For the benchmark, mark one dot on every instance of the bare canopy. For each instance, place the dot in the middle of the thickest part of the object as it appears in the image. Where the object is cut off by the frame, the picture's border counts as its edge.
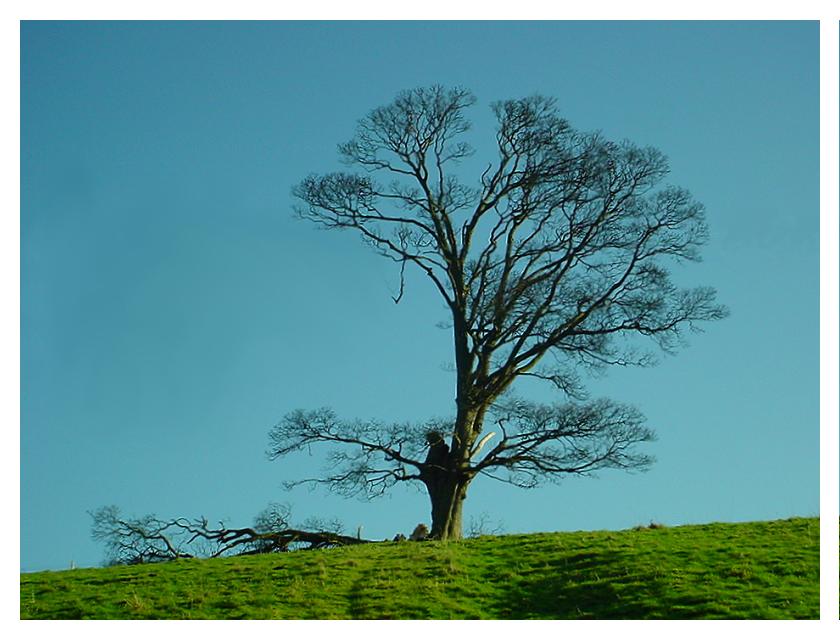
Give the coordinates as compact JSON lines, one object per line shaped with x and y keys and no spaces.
{"x":556,"y":257}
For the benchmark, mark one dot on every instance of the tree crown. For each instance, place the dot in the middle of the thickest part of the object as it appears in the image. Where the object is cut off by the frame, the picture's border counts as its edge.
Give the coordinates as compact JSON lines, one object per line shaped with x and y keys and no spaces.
{"x":564,"y":246}
{"x":561,"y":246}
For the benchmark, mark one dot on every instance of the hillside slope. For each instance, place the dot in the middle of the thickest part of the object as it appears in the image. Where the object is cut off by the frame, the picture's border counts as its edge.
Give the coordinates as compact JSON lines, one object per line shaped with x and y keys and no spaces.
{"x":744,"y":570}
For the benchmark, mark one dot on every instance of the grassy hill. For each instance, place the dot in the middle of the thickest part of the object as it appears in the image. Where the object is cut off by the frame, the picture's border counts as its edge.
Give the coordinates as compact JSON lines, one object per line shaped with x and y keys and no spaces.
{"x":745,"y":570}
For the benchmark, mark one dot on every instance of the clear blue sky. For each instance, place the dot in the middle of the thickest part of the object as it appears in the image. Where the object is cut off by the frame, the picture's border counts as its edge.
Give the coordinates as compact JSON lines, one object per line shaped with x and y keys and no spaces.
{"x":172,"y":309}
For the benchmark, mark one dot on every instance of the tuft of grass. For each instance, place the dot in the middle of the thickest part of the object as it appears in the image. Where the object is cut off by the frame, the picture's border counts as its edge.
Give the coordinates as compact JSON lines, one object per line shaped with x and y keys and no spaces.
{"x":743,"y":570}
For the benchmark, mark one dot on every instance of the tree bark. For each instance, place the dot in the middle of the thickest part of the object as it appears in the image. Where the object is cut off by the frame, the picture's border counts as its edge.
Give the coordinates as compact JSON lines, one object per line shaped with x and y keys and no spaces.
{"x":446,"y":475}
{"x":447,"y":498}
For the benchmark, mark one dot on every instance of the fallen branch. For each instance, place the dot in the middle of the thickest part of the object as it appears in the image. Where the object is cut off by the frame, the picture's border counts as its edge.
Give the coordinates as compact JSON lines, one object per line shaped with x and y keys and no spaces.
{"x":150,"y":539}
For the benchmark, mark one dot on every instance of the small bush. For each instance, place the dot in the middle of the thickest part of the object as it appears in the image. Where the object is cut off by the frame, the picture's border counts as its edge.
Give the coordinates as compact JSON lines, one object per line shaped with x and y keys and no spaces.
{"x":652,"y":525}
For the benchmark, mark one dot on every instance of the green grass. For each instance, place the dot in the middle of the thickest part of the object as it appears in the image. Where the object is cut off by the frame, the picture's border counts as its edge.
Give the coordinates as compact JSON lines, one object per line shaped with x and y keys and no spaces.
{"x":745,"y":570}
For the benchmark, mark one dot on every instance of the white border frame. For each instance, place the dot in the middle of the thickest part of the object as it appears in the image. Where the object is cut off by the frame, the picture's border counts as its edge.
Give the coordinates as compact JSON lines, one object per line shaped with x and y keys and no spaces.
{"x":829,"y":15}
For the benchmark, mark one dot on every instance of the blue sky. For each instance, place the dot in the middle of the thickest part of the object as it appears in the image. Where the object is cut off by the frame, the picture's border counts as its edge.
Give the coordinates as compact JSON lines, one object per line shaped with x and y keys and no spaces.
{"x":172,"y":309}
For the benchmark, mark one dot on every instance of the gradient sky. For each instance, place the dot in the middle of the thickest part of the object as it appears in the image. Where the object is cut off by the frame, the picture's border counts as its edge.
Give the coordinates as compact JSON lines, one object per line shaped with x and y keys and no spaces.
{"x":172,"y":309}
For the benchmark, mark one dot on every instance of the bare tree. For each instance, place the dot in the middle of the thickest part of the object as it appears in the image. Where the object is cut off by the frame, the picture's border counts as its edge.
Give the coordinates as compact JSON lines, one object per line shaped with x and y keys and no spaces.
{"x":482,"y":526}
{"x":151,"y":539}
{"x":561,"y":249}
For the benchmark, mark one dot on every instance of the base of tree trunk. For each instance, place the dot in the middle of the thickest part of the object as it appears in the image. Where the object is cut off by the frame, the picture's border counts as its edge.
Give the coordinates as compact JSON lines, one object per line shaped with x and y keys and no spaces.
{"x":447,"y":511}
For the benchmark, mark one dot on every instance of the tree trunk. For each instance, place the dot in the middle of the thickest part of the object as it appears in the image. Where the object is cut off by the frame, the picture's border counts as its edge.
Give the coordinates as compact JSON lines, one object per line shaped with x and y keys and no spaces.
{"x":445,"y":478}
{"x":447,"y":498}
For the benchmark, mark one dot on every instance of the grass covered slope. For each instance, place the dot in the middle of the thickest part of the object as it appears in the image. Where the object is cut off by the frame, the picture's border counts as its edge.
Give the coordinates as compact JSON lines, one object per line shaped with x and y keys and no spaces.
{"x":745,"y":570}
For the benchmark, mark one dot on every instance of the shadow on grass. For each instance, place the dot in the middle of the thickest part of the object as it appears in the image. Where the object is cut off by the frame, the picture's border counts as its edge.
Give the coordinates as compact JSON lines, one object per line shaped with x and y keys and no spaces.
{"x":602,"y":586}
{"x":363,"y":599}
